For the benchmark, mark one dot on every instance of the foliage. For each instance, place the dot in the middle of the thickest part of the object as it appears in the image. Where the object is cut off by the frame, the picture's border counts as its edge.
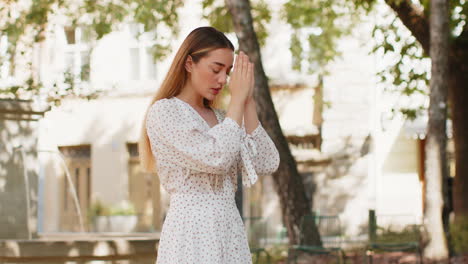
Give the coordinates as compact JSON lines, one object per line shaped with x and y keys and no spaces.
{"x":410,"y":233}
{"x":278,"y":254}
{"x":459,"y":235}
{"x":26,"y":22}
{"x":218,"y":16}
{"x":458,"y":15}
{"x":98,"y":208}
{"x":62,"y":88}
{"x":409,"y":71}
{"x":123,"y":209}
{"x":317,"y":26}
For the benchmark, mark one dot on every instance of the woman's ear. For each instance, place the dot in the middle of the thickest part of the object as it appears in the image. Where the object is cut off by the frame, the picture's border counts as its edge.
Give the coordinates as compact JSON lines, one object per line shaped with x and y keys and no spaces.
{"x":189,"y":64}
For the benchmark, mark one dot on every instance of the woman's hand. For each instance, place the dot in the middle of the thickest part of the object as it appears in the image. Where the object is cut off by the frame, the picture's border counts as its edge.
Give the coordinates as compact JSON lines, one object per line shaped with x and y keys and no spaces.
{"x":252,"y":84}
{"x":241,"y":79}
{"x":241,"y":86}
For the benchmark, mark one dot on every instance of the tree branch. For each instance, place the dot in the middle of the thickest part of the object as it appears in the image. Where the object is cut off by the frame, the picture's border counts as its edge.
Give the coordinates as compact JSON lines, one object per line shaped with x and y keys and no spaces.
{"x":414,"y":19}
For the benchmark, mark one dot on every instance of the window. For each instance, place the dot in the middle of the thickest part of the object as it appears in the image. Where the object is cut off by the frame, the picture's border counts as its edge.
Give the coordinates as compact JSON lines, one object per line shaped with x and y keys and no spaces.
{"x":78,"y":162}
{"x":135,"y":63}
{"x":78,"y":52}
{"x":77,"y":183}
{"x":150,"y":64}
{"x":142,"y":63}
{"x":88,"y":187}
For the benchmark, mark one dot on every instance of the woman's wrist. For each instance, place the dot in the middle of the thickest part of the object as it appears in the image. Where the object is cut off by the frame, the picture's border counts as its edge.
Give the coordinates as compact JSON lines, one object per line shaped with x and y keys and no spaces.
{"x":236,"y":109}
{"x":237,"y":101}
{"x":250,"y":116}
{"x":250,"y":102}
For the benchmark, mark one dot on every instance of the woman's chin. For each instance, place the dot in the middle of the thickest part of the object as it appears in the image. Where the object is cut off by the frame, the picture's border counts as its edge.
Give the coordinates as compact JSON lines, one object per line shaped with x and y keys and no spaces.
{"x":210,"y":97}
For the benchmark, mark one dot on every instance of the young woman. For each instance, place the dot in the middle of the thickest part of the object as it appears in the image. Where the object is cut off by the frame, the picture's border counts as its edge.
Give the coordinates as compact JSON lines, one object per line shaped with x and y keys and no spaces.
{"x":197,"y":150}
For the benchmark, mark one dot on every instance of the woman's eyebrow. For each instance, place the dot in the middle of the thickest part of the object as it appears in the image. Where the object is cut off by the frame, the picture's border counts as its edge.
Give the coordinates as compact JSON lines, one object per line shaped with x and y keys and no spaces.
{"x":221,"y":64}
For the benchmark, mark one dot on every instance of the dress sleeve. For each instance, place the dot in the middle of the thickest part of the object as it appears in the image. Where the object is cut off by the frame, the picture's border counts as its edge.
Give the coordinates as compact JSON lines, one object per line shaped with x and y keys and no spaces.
{"x":267,"y":158}
{"x":179,"y":140}
{"x":263,"y":157}
{"x":259,"y":154}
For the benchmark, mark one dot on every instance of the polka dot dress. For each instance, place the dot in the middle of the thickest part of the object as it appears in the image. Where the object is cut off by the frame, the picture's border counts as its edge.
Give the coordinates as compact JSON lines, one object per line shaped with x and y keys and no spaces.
{"x":198,"y":165}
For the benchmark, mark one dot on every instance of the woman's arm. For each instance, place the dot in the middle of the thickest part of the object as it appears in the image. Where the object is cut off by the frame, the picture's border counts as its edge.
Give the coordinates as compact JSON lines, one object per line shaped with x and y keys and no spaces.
{"x":266,"y":160}
{"x":240,"y":87}
{"x":250,"y":107}
{"x":175,"y":138}
{"x":250,"y":116}
{"x":264,"y":157}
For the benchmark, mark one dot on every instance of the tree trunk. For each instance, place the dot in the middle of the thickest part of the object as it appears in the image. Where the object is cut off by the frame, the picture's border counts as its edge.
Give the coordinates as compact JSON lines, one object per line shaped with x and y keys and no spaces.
{"x":436,"y":142}
{"x":458,"y":95}
{"x":288,"y":182}
{"x":416,"y":21}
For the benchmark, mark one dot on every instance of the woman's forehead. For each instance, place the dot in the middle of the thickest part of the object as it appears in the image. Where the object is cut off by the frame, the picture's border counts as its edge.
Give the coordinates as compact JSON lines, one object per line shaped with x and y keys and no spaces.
{"x":222,"y":57}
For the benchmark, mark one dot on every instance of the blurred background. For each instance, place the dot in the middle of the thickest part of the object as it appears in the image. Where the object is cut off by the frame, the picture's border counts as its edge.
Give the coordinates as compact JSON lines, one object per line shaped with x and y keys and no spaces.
{"x":343,"y":88}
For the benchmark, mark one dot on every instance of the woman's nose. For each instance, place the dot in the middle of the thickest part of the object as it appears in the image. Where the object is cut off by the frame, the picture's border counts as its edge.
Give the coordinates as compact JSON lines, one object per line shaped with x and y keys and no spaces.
{"x":223,"y":79}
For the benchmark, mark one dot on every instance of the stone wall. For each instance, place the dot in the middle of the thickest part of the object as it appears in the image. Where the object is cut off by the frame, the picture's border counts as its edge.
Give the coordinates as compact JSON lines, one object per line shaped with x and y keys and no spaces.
{"x":18,"y":168}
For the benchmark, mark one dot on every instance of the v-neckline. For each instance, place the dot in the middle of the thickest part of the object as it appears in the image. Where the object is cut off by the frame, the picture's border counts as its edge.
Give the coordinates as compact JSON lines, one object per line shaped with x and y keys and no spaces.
{"x":198,"y":114}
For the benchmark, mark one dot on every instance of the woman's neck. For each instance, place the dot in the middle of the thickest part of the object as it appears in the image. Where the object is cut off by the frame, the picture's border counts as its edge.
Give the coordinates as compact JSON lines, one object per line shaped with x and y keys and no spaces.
{"x":189,"y":95}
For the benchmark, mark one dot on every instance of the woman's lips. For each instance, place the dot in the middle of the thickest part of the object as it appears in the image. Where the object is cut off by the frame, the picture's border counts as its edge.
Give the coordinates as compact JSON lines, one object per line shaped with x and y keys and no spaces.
{"x":216,"y":90}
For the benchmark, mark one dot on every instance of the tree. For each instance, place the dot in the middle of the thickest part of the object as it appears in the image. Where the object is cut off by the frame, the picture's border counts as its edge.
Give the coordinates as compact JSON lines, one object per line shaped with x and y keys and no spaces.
{"x":410,"y":80}
{"x":435,"y":163}
{"x":288,"y":182}
{"x":415,"y":17}
{"x":402,"y":76}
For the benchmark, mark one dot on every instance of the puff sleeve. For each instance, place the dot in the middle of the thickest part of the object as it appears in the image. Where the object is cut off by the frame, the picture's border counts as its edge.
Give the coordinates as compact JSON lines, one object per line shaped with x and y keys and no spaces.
{"x":176,"y":139}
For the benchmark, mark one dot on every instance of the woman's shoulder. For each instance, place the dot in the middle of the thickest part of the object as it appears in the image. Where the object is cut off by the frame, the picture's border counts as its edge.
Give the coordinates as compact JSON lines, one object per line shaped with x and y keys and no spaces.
{"x":164,"y":105}
{"x":164,"y":102}
{"x":165,"y":109}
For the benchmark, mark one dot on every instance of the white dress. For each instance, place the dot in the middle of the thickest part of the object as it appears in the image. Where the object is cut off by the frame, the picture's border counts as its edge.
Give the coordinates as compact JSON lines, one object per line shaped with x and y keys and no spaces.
{"x":198,"y":165}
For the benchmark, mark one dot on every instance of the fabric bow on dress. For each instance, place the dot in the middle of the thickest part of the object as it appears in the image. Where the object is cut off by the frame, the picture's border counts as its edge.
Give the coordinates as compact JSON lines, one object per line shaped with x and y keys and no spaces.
{"x":248,"y":153}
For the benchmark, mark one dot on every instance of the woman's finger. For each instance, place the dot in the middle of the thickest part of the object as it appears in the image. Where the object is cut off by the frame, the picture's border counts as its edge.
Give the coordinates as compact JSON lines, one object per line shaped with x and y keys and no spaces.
{"x":249,"y":72}
{"x":236,"y":65}
{"x":252,"y":77}
{"x":245,"y":64}
{"x":242,"y":64}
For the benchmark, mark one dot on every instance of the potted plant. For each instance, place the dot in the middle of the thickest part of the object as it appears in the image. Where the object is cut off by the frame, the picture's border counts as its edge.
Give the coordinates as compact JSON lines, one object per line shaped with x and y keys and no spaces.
{"x":119,"y":218}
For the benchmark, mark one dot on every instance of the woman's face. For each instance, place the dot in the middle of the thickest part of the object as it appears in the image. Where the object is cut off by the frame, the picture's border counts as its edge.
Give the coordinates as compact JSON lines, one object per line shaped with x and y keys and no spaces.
{"x":209,"y":75}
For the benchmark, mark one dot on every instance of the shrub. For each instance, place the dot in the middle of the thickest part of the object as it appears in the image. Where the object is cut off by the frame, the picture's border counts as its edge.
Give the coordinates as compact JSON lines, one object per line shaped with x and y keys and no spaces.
{"x":410,"y":233}
{"x":459,"y":234}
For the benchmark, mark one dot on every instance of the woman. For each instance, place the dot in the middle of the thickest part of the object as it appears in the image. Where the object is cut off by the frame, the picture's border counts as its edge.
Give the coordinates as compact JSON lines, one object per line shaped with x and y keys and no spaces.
{"x":197,"y":150}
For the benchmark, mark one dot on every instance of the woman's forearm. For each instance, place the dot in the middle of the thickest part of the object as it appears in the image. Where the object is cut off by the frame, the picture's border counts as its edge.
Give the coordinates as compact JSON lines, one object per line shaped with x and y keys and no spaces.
{"x":236,"y":110}
{"x":250,"y":116}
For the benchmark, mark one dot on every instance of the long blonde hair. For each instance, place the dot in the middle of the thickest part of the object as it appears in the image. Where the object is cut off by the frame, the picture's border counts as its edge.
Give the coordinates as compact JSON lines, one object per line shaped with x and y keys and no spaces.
{"x":197,"y":44}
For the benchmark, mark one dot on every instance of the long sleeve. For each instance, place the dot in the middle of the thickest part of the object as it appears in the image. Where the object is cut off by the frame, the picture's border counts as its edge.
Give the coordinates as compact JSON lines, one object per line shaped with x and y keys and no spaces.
{"x":263,"y":157}
{"x":258,"y":155}
{"x":176,"y":139}
{"x":267,"y":159}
